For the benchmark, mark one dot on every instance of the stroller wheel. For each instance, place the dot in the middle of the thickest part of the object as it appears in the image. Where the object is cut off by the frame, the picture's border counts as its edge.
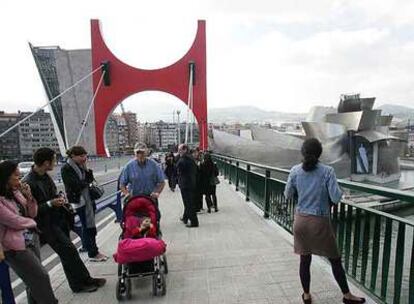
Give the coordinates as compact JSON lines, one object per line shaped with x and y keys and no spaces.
{"x":128,"y":288}
{"x":120,"y":289}
{"x":164,"y":263}
{"x":123,"y":289}
{"x":163,"y":285}
{"x":159,"y":285}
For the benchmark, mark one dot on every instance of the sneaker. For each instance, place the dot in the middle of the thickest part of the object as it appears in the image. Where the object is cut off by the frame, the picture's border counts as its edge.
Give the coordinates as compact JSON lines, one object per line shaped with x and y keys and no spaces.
{"x":86,"y":288}
{"x":99,"y":258}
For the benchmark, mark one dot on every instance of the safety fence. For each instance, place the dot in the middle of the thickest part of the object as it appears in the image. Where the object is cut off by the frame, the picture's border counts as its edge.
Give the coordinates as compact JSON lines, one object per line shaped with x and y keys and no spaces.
{"x":377,"y":248}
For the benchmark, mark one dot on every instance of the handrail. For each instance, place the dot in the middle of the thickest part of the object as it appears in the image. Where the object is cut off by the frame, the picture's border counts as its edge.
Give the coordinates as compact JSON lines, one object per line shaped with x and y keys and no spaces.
{"x":376,"y":247}
{"x":373,"y":189}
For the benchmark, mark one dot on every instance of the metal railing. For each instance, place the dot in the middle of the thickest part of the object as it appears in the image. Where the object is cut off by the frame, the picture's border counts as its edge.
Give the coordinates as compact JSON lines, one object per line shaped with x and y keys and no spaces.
{"x":377,"y":248}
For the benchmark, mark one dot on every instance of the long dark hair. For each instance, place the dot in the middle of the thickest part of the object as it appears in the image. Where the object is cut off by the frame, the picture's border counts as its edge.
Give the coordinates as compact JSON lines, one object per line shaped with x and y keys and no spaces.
{"x":7,"y":168}
{"x":311,"y":151}
{"x":208,"y":163}
{"x":76,"y":151}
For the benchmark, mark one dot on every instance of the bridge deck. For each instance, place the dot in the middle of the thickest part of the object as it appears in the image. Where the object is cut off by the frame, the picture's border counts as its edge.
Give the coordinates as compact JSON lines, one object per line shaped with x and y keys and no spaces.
{"x":235,"y":256}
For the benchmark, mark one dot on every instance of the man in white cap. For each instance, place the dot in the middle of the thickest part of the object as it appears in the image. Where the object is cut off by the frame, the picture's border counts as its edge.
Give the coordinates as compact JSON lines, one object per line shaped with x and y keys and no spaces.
{"x":142,"y":176}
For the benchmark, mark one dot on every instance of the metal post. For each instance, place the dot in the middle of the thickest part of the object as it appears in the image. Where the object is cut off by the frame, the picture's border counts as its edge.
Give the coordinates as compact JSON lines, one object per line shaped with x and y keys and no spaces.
{"x":230,"y":165}
{"x":375,"y":159}
{"x":247,"y":183}
{"x":352,"y":151}
{"x":237,"y":176}
{"x":178,"y":127}
{"x":267,"y":195}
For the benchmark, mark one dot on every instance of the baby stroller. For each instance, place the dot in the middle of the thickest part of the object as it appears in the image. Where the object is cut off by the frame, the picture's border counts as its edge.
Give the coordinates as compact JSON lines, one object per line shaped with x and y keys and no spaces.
{"x":140,"y":256}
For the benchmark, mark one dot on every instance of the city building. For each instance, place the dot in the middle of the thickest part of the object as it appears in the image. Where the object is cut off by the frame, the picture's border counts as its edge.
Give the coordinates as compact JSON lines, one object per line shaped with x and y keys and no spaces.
{"x":112,"y":135}
{"x":9,"y":144}
{"x":36,"y":132}
{"x":127,"y":130}
{"x":132,"y":127}
{"x":59,"y":70}
{"x":165,"y":135}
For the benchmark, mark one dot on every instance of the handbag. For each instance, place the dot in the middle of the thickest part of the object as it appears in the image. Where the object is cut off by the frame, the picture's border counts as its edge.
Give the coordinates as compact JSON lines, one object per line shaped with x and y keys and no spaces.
{"x":96,"y":191}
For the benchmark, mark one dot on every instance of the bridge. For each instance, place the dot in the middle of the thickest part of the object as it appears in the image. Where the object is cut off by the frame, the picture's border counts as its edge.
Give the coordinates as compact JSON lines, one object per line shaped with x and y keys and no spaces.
{"x":244,"y":253}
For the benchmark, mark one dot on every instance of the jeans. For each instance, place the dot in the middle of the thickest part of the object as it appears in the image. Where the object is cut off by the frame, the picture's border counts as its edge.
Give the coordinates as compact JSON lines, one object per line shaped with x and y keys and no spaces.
{"x":88,"y":234}
{"x":7,"y":296}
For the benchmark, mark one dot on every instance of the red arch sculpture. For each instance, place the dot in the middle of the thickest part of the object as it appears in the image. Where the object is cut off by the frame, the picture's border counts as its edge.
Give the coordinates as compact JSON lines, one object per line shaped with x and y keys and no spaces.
{"x":126,"y":81}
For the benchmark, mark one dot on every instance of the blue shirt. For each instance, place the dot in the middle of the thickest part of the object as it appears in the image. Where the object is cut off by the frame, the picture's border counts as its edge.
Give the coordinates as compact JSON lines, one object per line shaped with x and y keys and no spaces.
{"x":315,"y":189}
{"x":141,"y":179}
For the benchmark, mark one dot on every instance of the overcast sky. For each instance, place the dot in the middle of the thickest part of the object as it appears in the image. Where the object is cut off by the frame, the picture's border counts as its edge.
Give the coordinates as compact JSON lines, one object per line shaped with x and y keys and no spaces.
{"x":277,"y":55}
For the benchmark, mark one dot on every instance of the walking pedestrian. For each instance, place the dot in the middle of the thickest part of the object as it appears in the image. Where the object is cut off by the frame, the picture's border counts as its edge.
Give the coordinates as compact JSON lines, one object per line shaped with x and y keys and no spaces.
{"x":77,"y":178}
{"x":209,"y":181}
{"x":55,"y":220}
{"x":171,"y":171}
{"x":187,"y":171}
{"x":316,"y":188}
{"x":142,"y":176}
{"x":18,"y":235}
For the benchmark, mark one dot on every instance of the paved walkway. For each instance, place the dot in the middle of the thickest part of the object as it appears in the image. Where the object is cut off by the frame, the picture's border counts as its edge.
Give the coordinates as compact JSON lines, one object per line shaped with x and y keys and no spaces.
{"x":235,"y":256}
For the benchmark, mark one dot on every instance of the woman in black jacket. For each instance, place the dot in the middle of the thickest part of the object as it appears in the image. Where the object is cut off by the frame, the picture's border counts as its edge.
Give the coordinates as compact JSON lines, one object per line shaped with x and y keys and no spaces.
{"x":77,"y":179}
{"x":209,"y":180}
{"x":171,"y":171}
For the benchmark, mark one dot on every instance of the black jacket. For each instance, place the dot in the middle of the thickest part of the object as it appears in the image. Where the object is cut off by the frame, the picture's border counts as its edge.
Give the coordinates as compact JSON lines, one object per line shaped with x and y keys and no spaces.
{"x":73,"y":184}
{"x":44,"y":189}
{"x":207,"y":173}
{"x":187,"y":172}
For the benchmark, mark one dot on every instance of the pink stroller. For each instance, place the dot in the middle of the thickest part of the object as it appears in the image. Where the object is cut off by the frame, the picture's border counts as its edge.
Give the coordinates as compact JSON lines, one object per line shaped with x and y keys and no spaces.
{"x":140,"y":255}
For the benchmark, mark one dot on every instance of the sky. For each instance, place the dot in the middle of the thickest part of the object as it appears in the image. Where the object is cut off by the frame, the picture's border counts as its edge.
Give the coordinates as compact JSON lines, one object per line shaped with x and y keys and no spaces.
{"x":277,"y":55}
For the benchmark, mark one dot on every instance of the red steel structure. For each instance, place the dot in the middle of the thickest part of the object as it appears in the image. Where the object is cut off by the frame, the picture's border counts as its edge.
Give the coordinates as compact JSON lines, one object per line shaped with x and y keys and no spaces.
{"x":126,"y":80}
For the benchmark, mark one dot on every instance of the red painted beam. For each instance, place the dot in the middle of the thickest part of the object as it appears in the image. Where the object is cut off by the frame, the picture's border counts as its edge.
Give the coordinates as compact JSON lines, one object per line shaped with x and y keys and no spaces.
{"x":127,"y":80}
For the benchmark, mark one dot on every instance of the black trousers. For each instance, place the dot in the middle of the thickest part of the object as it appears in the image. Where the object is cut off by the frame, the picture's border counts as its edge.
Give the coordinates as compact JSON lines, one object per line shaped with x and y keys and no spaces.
{"x":211,"y":198}
{"x":198,"y":199}
{"x":172,"y":181}
{"x":337,"y":270}
{"x":190,"y":212}
{"x":75,"y":270}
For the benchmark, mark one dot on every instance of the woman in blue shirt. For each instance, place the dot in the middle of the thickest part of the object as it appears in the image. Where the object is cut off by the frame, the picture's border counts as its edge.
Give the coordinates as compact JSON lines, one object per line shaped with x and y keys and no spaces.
{"x":316,"y":188}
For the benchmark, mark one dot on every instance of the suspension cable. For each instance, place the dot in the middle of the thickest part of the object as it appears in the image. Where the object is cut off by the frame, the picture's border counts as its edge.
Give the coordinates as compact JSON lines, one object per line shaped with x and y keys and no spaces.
{"x":84,"y":122}
{"x":48,"y":103}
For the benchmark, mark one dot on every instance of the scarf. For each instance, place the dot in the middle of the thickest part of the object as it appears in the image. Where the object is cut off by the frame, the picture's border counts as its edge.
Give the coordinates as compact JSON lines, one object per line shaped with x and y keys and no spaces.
{"x":85,"y":198}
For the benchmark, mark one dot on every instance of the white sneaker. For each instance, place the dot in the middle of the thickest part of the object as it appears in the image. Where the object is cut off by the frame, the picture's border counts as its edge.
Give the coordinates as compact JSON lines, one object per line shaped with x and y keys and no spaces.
{"x":99,"y":258}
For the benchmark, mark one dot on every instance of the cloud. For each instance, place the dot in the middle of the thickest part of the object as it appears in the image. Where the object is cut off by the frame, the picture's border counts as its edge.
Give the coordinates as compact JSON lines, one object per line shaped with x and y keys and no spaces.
{"x":278,"y":55}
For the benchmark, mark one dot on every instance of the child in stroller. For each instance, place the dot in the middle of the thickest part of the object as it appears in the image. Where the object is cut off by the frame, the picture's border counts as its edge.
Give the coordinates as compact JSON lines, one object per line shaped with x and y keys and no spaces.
{"x":140,"y":249}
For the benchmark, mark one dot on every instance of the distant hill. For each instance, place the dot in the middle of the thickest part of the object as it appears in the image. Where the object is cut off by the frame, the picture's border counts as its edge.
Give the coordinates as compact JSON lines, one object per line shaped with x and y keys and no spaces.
{"x":399,"y":112}
{"x":250,"y":114}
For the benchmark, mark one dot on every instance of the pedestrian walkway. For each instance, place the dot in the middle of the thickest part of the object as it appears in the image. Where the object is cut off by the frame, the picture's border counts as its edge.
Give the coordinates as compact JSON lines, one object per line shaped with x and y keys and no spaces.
{"x":235,"y":256}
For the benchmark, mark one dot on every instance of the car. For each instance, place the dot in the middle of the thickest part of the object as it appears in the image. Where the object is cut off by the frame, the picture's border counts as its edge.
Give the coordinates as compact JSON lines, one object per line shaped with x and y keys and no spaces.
{"x":25,"y":167}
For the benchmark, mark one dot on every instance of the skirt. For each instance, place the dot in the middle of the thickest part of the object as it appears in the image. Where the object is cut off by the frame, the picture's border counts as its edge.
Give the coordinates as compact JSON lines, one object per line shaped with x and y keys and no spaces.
{"x":314,"y":235}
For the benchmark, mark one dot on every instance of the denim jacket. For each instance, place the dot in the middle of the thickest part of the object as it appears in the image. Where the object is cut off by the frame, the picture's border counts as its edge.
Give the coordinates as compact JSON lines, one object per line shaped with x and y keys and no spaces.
{"x":315,"y":189}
